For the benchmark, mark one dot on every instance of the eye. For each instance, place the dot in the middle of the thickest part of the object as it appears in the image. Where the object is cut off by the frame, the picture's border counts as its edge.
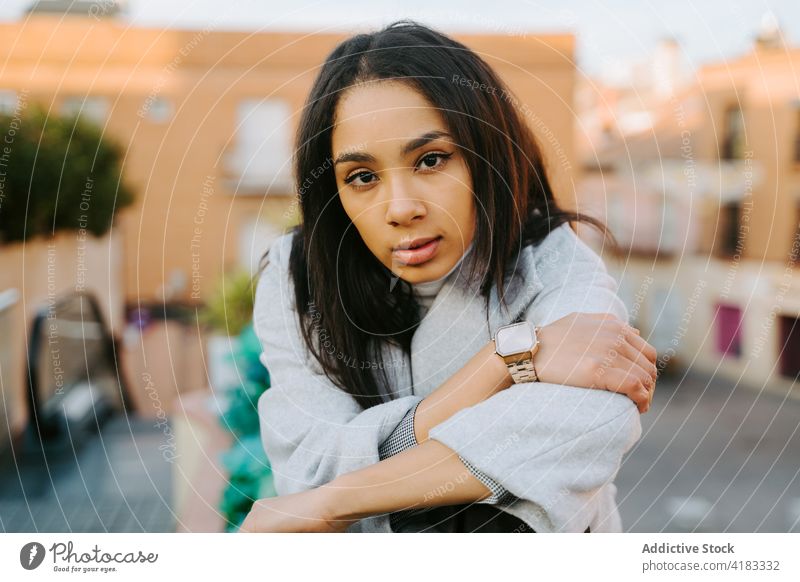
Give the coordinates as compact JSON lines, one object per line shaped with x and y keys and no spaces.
{"x":434,"y":160}
{"x":363,"y":179}
{"x":350,"y":180}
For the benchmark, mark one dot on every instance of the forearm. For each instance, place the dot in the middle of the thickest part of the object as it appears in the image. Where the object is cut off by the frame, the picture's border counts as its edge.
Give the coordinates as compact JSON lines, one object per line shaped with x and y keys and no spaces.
{"x":484,"y":375}
{"x":427,"y":475}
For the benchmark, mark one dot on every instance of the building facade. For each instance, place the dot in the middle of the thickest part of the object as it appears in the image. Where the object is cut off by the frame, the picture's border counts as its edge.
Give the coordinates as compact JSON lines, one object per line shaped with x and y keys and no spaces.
{"x":704,"y":198}
{"x":207,"y":118}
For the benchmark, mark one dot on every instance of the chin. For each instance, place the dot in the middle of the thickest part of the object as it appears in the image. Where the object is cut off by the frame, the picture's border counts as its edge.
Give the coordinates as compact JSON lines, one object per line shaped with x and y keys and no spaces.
{"x":430,"y":271}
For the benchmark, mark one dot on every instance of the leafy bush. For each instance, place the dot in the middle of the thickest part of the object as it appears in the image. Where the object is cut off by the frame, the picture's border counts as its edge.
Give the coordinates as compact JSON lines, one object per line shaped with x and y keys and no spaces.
{"x":60,"y":173}
{"x":230,"y":307}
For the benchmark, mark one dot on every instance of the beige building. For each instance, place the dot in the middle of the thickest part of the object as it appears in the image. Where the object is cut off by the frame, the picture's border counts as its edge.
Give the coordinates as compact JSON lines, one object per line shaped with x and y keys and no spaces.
{"x":207,"y":118}
{"x":701,"y":186}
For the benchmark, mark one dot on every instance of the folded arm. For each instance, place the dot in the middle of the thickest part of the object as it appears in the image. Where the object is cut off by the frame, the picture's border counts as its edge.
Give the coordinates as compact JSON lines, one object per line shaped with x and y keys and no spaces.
{"x":551,"y":444}
{"x":312,"y":431}
{"x":425,"y":476}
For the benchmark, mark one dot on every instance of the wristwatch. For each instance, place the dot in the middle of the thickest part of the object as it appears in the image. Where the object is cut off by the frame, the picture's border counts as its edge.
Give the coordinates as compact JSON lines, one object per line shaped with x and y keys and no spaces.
{"x":517,"y":344}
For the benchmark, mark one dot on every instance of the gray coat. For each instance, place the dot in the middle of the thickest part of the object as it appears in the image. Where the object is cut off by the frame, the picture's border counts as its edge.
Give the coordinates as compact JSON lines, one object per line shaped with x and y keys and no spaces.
{"x":557,"y":448}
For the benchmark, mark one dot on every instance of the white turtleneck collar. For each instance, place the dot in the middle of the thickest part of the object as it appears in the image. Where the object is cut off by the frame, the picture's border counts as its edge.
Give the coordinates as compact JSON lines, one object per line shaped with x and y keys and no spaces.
{"x":426,"y":292}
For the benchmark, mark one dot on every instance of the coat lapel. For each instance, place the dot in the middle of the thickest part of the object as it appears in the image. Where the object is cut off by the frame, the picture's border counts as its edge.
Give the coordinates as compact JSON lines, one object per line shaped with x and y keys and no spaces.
{"x":455,"y":327}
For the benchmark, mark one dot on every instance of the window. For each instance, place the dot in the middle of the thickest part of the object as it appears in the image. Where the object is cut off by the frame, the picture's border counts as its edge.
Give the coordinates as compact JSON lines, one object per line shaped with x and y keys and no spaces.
{"x":8,"y":102}
{"x":664,"y":308}
{"x":730,"y":234}
{"x":262,"y":156}
{"x":729,"y":330}
{"x":92,"y":108}
{"x":789,"y":349}
{"x":668,"y":237}
{"x":159,"y":110}
{"x":616,"y":214}
{"x":734,"y":141}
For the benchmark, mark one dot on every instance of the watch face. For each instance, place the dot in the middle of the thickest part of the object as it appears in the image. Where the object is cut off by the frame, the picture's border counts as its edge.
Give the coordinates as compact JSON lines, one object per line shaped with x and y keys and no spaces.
{"x":514,"y":339}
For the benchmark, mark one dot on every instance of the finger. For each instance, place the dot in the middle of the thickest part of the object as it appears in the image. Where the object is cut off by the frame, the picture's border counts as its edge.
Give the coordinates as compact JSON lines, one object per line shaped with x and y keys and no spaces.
{"x":630,"y":350}
{"x":632,"y":369}
{"x":640,"y":344}
{"x":617,"y":379}
{"x":622,"y":342}
{"x":643,"y":374}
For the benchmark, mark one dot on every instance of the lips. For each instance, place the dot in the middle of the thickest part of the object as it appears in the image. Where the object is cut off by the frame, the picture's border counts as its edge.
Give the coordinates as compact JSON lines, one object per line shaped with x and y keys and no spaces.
{"x":415,"y":243}
{"x":417,"y":251}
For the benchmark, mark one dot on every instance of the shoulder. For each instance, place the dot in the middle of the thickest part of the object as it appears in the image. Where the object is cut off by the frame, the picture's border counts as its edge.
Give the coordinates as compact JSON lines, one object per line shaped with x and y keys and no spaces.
{"x":280,"y":249}
{"x":562,"y":250}
{"x":572,"y":278}
{"x":274,"y":290}
{"x":275,"y":270}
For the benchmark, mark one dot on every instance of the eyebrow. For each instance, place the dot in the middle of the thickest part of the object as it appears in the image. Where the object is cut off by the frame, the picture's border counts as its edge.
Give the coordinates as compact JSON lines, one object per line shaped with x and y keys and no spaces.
{"x":414,"y":144}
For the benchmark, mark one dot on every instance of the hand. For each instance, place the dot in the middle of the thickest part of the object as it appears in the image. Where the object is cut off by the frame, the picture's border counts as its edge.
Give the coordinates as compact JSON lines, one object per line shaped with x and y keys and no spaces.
{"x":597,"y":350}
{"x":307,"y":511}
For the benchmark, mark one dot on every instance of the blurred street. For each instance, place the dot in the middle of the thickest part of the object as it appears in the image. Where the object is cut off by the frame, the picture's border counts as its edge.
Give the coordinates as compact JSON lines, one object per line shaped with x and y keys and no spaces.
{"x":713,"y":457}
{"x":117,"y":482}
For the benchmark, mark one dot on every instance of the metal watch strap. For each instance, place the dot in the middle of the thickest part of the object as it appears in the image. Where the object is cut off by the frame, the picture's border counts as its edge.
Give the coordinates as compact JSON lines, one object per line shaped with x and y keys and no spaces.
{"x":523,"y":371}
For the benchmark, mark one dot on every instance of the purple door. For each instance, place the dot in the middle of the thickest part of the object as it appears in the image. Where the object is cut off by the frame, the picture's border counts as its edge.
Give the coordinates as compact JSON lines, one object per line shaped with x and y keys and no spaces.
{"x":729,"y":330}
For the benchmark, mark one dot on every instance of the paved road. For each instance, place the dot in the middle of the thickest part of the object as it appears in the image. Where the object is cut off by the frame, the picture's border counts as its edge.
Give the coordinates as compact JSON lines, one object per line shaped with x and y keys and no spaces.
{"x":713,"y":457}
{"x":116,"y":481}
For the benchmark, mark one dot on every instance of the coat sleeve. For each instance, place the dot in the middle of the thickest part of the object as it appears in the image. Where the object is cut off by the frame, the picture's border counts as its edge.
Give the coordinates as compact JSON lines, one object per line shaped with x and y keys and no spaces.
{"x":404,"y":438}
{"x":551,"y":445}
{"x":312,"y":431}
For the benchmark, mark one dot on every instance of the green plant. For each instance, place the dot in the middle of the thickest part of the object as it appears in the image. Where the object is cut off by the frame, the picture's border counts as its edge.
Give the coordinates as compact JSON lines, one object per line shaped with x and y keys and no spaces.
{"x":230,"y":307}
{"x":60,"y":173}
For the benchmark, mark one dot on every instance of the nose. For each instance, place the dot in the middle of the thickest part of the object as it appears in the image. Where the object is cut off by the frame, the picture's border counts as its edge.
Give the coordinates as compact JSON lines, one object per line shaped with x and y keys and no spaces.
{"x":402,"y":207}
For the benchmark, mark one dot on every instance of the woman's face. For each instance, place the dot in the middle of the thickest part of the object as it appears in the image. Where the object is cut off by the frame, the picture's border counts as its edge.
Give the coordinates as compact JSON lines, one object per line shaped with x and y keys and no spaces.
{"x":401,"y":179}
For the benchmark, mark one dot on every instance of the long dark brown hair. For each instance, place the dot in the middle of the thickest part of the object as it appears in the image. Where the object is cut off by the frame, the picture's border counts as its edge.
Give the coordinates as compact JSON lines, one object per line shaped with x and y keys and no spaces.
{"x":342,"y":291}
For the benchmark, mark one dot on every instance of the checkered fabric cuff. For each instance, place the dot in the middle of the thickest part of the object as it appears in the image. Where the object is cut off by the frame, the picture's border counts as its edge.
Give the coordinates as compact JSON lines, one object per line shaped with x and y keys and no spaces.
{"x":403,"y":437}
{"x":499,"y":494}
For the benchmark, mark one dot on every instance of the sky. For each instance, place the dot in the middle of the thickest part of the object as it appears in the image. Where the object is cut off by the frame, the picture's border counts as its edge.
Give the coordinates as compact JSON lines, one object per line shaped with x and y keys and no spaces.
{"x":609,"y":32}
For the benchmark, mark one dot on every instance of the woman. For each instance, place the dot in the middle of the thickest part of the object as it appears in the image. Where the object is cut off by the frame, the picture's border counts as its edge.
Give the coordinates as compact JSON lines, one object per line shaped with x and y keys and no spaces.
{"x":429,"y":225}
